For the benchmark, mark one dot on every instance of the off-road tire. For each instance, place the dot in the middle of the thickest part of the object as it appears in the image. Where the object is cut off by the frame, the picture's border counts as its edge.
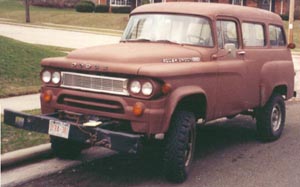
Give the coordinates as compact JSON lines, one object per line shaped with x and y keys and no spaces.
{"x":179,"y":146}
{"x":270,"y":119}
{"x":65,"y":149}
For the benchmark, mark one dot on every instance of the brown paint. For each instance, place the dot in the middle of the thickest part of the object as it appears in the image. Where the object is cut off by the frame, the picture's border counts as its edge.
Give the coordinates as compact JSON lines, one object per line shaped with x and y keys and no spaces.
{"x":227,"y":85}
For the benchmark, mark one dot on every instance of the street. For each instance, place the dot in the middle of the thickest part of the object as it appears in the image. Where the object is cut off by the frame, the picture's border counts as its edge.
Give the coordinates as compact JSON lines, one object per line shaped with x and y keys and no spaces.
{"x":227,"y":155}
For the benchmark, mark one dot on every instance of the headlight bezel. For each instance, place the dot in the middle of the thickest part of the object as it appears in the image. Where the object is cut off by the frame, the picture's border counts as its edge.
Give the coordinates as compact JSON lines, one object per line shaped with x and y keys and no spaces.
{"x":54,"y":77}
{"x":155,"y":88}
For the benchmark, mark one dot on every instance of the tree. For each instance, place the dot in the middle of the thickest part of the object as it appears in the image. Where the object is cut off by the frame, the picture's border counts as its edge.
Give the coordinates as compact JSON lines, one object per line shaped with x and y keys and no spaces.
{"x":27,"y":13}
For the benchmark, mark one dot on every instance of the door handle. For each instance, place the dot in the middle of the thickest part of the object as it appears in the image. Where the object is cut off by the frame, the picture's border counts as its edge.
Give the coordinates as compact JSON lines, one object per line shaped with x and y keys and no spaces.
{"x":241,"y":53}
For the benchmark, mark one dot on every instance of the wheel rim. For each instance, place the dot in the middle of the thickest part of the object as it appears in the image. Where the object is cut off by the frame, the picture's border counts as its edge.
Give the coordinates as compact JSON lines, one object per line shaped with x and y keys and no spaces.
{"x":190,"y":148}
{"x":276,"y":118}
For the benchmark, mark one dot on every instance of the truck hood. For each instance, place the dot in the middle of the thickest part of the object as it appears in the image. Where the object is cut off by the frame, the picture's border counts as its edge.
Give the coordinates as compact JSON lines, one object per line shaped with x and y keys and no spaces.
{"x":126,"y":58}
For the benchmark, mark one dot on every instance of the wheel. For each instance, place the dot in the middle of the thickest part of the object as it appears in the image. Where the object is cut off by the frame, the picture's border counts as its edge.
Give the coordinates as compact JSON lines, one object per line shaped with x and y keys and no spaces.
{"x":66,"y":149}
{"x":180,"y":146}
{"x":271,"y":118}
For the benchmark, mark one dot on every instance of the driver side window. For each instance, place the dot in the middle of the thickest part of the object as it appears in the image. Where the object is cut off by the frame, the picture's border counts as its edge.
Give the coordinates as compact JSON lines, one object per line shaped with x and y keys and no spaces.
{"x":227,"y":33}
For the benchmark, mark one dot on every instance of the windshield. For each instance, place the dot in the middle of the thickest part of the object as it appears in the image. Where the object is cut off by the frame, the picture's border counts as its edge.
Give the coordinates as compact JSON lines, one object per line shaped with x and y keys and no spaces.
{"x":179,"y":29}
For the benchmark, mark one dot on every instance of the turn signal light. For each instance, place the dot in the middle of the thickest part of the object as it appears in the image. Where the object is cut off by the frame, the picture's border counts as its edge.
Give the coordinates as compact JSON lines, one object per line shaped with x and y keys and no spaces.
{"x":47,"y":96}
{"x":166,"y":88}
{"x":138,"y":109}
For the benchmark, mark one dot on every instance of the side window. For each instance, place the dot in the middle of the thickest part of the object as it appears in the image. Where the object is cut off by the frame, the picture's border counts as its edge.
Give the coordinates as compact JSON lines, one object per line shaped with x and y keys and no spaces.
{"x":276,"y":36}
{"x":227,"y":33}
{"x":253,"y":35}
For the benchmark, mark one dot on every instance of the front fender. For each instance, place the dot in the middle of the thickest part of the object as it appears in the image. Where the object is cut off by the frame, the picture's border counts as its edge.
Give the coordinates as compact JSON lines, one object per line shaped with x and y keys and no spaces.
{"x":174,"y":98}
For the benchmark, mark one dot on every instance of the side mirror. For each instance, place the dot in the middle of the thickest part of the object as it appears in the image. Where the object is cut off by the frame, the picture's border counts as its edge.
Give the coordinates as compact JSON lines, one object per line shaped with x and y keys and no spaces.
{"x":291,"y":46}
{"x":230,"y":48}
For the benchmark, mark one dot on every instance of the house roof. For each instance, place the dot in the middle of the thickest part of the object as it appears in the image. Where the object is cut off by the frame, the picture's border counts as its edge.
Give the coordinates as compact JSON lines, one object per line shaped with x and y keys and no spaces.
{"x":209,"y":10}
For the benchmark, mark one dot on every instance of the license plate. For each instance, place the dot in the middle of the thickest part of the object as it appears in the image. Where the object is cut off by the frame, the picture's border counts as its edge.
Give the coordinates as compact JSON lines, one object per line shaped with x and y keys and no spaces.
{"x":58,"y":128}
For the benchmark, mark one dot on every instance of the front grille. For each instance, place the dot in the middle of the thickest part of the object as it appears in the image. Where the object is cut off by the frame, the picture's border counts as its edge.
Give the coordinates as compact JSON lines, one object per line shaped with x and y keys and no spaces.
{"x":91,"y":103}
{"x":95,"y":83}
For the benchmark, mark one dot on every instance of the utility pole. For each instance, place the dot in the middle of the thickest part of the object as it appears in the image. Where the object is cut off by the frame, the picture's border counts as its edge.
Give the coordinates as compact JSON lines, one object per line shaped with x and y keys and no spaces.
{"x":291,"y":21}
{"x":27,"y":14}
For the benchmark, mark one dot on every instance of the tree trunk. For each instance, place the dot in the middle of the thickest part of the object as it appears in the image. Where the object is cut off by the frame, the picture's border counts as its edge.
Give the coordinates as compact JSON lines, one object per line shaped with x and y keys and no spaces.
{"x":27,"y":14}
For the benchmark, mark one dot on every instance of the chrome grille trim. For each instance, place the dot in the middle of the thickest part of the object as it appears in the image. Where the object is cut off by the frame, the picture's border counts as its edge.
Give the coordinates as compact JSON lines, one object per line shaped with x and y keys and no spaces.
{"x":94,"y":83}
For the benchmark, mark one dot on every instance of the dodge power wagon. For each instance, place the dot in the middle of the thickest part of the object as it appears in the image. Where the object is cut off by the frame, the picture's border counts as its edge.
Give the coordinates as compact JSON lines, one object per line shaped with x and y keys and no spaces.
{"x":176,"y":64}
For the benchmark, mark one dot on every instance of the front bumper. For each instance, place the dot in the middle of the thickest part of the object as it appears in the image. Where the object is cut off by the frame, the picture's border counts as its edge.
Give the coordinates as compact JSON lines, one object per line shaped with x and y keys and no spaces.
{"x":118,"y":141}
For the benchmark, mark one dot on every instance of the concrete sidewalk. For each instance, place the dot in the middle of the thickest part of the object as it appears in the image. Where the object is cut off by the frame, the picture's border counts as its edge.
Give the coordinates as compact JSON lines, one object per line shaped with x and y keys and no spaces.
{"x":55,"y":37}
{"x":21,"y":103}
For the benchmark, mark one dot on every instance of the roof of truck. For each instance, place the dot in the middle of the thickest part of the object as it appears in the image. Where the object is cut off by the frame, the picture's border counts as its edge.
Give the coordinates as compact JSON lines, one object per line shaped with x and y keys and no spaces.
{"x":210,"y":10}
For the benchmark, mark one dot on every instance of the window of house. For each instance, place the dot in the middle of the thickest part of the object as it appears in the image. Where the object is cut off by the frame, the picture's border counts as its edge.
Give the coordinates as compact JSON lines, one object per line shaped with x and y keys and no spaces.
{"x":120,"y":2}
{"x":227,"y":33}
{"x":253,"y":35}
{"x":276,"y":36}
{"x":237,"y":2}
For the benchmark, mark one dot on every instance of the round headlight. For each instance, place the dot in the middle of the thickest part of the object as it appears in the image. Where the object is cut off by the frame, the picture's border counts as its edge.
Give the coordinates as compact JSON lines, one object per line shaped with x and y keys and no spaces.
{"x":135,"y":87}
{"x":56,"y":77}
{"x":46,"y":76}
{"x":147,"y":88}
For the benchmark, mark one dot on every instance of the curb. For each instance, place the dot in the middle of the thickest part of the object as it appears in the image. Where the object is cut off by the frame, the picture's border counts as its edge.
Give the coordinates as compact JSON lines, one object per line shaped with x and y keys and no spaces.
{"x":24,"y":174}
{"x":15,"y":157}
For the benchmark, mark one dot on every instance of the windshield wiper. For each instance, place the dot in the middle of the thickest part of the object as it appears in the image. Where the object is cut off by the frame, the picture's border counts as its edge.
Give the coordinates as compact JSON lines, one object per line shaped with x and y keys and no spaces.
{"x":167,"y":41}
{"x":137,"y":40}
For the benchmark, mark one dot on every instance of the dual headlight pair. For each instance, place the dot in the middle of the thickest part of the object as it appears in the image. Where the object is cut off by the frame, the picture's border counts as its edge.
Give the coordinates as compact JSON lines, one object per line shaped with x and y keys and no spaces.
{"x":136,"y":87}
{"x":53,"y":77}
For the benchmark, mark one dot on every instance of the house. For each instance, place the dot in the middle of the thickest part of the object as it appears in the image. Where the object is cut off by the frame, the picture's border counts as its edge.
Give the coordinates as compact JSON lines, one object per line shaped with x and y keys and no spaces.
{"x":278,"y":6}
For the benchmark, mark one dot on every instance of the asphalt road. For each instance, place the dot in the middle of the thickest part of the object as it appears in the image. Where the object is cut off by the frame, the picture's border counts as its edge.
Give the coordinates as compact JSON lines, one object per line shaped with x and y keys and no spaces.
{"x":227,"y":155}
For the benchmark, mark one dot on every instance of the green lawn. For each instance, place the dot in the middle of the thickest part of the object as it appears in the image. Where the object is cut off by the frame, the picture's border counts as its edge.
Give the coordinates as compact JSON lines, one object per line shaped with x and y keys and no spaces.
{"x":20,"y":68}
{"x":14,"y":10}
{"x":13,"y":138}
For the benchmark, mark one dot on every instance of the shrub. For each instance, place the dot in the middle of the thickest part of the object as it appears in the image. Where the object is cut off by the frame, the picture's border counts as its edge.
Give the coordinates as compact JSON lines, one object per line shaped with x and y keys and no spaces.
{"x":284,"y":17}
{"x":101,"y":8}
{"x":122,"y":10}
{"x":89,"y":2}
{"x":85,"y":6}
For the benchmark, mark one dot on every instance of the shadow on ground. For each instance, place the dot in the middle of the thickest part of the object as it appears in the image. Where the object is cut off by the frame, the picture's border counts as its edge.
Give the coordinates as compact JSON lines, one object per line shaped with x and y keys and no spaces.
{"x":136,"y":170}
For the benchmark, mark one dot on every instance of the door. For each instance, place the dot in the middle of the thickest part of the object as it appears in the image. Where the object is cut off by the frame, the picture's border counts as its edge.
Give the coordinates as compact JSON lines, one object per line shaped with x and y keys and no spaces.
{"x":232,"y":69}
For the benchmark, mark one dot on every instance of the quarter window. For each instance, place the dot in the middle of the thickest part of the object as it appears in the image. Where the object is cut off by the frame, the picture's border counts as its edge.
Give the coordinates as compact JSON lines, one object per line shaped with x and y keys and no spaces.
{"x":276,"y":36}
{"x":227,"y":33}
{"x":253,"y":35}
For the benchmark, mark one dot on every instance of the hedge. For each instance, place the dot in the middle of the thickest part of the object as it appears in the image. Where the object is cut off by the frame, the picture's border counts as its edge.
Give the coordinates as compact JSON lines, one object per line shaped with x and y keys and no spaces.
{"x":123,"y":10}
{"x":101,"y":8}
{"x":85,"y":6}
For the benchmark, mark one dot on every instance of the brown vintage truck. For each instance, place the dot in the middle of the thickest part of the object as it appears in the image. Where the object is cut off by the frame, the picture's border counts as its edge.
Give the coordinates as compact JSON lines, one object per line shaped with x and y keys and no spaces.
{"x":176,"y":63}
